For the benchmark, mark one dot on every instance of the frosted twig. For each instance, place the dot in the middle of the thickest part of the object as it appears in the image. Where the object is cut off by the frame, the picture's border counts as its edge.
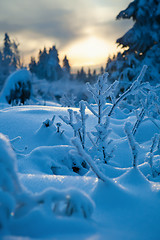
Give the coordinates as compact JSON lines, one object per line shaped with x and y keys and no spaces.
{"x":91,"y":109}
{"x":15,"y":139}
{"x":154,"y":145}
{"x":135,"y":85}
{"x":139,"y":120}
{"x":88,"y":159}
{"x":69,"y":121}
{"x":132,"y":142}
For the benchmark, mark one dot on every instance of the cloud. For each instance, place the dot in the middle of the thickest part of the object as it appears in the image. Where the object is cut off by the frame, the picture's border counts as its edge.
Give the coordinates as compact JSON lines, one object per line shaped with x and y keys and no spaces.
{"x":39,"y":22}
{"x":58,"y":20}
{"x":58,"y":24}
{"x":44,"y":20}
{"x":113,"y":29}
{"x":112,"y":3}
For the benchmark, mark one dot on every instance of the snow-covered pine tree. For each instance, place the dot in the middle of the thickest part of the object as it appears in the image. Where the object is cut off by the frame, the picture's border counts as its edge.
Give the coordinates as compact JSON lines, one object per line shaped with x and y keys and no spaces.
{"x":48,"y":66}
{"x":144,"y":34}
{"x":81,"y":75}
{"x":54,"y":71}
{"x":141,"y":44}
{"x":101,"y":70}
{"x":42,"y":64}
{"x":7,"y":53}
{"x":33,"y":65}
{"x":16,"y":62}
{"x":66,"y":65}
{"x":89,"y":75}
{"x":9,"y":58}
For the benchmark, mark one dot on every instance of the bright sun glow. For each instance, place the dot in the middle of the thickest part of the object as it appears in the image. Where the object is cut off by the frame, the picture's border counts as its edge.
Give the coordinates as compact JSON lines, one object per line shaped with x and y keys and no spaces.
{"x":90,"y":51}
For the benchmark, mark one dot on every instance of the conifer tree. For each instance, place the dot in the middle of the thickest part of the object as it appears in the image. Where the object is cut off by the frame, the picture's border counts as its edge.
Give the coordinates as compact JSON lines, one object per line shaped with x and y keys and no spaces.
{"x":145,"y":32}
{"x":82,"y":75}
{"x":42,"y":63}
{"x":141,"y":44}
{"x":101,"y":70}
{"x":9,"y":58}
{"x":48,"y":66}
{"x":33,"y":65}
{"x":7,"y":51}
{"x":89,"y":76}
{"x":66,"y":65}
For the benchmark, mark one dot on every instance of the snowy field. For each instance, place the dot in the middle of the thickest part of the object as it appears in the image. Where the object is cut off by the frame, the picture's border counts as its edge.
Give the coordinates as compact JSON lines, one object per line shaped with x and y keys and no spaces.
{"x":126,"y":206}
{"x":90,"y":173}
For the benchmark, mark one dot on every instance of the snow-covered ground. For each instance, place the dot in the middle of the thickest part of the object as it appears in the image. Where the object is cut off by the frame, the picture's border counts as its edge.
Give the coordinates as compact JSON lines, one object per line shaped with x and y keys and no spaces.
{"x":126,"y":206}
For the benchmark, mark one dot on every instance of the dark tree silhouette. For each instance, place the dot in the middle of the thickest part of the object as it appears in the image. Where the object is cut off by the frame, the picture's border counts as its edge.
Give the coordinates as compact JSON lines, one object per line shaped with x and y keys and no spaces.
{"x":9,"y":58}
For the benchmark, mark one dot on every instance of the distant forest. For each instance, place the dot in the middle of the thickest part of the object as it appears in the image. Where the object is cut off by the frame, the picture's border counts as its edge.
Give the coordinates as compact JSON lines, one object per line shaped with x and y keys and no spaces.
{"x":46,"y":66}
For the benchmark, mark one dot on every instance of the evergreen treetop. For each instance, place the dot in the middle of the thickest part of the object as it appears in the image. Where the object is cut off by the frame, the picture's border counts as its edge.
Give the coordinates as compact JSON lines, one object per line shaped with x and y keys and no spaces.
{"x":66,"y":64}
{"x":145,"y":31}
{"x":140,"y":45}
{"x":9,"y":58}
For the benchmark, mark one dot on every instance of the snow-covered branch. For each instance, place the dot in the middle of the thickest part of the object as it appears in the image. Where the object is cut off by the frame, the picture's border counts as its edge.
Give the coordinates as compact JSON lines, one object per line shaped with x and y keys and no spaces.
{"x":150,"y":154}
{"x":101,"y":90}
{"x":132,"y":143}
{"x":90,"y":162}
{"x":134,"y":87}
{"x":69,"y":121}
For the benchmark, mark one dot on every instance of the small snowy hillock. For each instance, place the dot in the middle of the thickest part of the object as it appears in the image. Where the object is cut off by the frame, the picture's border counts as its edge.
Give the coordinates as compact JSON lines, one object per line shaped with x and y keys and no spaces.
{"x":20,"y":207}
{"x":57,"y":160}
{"x":17,"y":88}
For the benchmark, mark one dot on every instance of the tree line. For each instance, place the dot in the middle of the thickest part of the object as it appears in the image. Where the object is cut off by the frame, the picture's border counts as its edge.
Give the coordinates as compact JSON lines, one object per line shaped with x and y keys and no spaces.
{"x":47,"y":66}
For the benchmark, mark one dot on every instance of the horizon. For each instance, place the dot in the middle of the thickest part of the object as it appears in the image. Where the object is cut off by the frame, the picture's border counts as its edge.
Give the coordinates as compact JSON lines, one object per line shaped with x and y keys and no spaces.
{"x":85,"y":32}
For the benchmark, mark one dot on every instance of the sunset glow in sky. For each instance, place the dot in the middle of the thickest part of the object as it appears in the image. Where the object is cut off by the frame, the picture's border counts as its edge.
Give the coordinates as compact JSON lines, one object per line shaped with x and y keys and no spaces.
{"x":84,"y":30}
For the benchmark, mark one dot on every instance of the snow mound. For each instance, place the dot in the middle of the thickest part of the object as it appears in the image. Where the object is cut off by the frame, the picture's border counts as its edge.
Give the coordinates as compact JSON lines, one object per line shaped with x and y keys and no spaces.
{"x":8,"y":177}
{"x":20,"y":207}
{"x":135,"y":178}
{"x":58,"y":160}
{"x":17,"y":88}
{"x":48,"y":136}
{"x":8,"y":181}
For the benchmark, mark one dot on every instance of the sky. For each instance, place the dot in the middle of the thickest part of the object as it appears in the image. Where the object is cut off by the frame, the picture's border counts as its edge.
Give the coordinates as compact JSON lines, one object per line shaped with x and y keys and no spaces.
{"x":84,"y":30}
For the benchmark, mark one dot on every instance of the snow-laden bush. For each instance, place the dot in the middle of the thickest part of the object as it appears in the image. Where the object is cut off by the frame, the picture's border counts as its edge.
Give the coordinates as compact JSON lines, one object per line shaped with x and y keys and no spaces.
{"x":17,"y":88}
{"x":77,"y":120}
{"x":101,"y":90}
{"x":100,"y":141}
